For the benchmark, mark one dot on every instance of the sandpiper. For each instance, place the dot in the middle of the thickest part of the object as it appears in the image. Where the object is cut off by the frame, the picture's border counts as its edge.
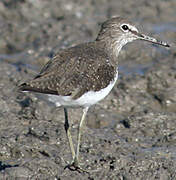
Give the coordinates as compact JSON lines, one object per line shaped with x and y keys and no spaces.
{"x":81,"y":76}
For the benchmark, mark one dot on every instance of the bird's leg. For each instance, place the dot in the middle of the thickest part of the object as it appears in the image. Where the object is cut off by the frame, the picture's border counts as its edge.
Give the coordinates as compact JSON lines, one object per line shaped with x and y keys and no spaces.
{"x":67,"y":130}
{"x":74,"y":166}
{"x":76,"y":159}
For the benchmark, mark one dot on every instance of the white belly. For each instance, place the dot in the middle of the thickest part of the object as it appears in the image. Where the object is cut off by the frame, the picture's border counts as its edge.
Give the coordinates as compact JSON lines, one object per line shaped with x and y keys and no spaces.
{"x":86,"y":100}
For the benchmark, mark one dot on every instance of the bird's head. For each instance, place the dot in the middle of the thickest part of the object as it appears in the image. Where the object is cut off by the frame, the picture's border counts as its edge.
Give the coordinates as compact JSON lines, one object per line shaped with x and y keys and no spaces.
{"x":117,"y":32}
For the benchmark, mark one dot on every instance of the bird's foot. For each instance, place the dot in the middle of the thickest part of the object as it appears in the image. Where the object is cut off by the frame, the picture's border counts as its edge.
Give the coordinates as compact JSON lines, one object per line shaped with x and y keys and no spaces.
{"x":74,"y":166}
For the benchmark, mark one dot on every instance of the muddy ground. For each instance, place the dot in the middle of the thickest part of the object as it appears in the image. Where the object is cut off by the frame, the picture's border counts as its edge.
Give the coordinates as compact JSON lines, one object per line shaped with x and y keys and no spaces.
{"x":129,"y":135}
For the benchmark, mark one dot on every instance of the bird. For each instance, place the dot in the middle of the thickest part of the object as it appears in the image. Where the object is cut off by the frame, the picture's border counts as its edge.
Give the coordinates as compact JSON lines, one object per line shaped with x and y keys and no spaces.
{"x":82,"y":75}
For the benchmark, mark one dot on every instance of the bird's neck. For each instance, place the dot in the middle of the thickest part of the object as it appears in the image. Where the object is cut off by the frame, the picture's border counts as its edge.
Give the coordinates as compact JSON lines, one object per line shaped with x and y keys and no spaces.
{"x":112,"y":47}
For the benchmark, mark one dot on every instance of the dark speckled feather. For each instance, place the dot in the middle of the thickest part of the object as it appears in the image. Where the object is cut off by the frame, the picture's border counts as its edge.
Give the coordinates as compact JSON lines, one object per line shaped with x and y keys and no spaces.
{"x":74,"y":71}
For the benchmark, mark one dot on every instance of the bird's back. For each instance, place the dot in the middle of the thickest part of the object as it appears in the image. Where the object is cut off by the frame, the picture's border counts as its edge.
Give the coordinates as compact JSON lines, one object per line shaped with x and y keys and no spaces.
{"x":74,"y":71}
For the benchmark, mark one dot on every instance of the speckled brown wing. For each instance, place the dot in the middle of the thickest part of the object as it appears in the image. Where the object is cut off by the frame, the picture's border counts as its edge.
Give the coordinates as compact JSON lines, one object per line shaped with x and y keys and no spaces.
{"x":73,"y":72}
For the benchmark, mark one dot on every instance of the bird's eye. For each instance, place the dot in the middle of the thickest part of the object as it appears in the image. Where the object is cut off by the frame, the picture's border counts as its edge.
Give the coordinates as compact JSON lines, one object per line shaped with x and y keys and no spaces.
{"x":125,"y":27}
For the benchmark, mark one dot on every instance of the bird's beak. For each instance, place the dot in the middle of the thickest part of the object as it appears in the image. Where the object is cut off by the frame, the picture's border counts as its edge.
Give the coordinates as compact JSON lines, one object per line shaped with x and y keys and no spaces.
{"x":150,"y":39}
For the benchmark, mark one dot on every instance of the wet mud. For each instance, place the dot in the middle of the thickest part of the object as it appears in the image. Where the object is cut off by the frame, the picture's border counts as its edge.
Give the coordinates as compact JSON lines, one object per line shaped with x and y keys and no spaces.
{"x":129,"y":135}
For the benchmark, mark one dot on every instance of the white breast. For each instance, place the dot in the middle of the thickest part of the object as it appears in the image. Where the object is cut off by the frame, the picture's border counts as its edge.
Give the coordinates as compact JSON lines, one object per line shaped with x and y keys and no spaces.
{"x":86,"y":100}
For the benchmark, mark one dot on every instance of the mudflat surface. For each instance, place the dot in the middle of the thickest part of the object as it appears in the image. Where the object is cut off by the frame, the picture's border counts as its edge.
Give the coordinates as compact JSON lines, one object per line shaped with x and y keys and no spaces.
{"x":129,"y":135}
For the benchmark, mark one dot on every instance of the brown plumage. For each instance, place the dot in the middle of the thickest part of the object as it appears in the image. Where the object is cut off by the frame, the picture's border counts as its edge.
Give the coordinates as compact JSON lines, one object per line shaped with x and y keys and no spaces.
{"x":74,"y":71}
